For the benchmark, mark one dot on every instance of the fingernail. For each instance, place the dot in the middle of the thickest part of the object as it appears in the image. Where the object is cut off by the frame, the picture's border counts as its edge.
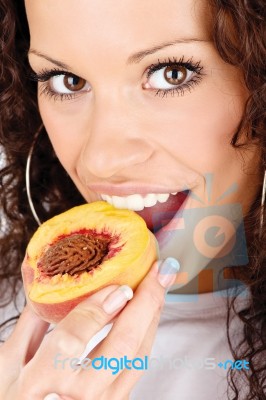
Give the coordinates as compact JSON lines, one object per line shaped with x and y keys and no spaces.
{"x":52,"y":396}
{"x":117,"y":299}
{"x":167,"y":272}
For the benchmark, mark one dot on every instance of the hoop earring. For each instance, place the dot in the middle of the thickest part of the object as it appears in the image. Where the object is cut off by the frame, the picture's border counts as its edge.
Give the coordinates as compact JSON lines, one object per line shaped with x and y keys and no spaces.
{"x":262,"y":203}
{"x":27,"y":175}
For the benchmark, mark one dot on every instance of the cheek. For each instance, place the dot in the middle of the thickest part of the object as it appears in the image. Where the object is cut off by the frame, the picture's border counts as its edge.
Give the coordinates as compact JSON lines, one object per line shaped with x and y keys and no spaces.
{"x":214,"y":123}
{"x":64,"y":128}
{"x":198,"y":128}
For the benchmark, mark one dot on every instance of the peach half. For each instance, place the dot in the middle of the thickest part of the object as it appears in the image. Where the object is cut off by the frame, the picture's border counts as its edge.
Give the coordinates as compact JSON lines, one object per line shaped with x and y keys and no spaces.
{"x":82,"y":250}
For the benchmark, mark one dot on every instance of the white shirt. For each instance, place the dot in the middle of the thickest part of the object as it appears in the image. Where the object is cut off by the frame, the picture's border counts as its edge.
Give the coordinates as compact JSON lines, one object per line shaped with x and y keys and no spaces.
{"x":190,"y":343}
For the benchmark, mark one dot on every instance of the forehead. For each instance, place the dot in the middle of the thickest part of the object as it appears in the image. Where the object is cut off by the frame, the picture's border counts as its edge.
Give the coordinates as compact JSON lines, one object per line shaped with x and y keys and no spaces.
{"x":113,"y":25}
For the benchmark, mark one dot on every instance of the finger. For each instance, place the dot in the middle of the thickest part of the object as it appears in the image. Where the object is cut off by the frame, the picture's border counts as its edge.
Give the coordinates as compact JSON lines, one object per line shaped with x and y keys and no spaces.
{"x":22,"y":344}
{"x":129,"y":330}
{"x":73,"y":333}
{"x":66,"y":342}
{"x":26,"y":337}
{"x":125,"y":382}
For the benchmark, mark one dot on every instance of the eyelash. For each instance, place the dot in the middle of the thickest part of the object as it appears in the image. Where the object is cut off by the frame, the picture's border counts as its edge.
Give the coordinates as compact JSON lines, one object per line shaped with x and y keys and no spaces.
{"x":46,"y":74}
{"x":44,"y":77}
{"x":179,"y":90}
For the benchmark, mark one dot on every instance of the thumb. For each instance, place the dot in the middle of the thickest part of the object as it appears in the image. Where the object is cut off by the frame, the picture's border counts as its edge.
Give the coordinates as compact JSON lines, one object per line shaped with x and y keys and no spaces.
{"x":26,"y":337}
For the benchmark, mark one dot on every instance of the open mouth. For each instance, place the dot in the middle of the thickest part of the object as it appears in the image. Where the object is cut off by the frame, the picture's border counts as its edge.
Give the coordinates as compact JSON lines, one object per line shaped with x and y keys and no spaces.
{"x":156,"y":209}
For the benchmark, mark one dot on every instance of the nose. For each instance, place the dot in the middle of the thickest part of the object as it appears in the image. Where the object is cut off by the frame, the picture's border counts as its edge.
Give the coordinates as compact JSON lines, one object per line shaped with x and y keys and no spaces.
{"x":115,"y":140}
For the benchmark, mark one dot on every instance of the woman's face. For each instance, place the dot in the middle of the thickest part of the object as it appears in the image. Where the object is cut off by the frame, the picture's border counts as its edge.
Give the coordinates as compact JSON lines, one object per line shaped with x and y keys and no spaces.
{"x":137,"y":101}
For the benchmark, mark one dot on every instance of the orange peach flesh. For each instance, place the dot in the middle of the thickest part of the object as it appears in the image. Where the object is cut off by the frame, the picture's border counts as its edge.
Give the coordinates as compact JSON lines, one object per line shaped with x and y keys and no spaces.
{"x":53,"y":298}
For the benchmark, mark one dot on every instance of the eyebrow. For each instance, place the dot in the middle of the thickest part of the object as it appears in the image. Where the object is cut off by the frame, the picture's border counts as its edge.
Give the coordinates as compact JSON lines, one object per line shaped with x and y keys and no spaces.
{"x":134,"y":58}
{"x":50,"y":59}
{"x":137,"y":57}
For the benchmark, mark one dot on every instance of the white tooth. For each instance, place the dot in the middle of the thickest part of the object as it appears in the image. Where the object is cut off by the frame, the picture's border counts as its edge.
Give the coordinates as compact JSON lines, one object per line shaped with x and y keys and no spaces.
{"x":119,"y":202}
{"x":109,"y":199}
{"x":162,"y":198}
{"x":135,"y":202}
{"x":150,"y":200}
{"x":174,"y":193}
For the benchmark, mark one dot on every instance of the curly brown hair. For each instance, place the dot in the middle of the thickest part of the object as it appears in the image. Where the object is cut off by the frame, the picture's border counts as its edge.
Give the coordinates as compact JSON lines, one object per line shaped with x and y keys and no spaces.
{"x":239,"y":34}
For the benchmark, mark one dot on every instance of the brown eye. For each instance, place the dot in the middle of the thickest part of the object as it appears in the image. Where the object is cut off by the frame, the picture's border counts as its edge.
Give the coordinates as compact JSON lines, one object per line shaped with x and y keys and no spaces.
{"x":74,"y":83}
{"x":175,"y":74}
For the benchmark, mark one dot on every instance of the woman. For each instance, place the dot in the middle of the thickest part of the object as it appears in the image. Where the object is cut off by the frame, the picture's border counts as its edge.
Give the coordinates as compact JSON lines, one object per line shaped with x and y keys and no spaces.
{"x":145,"y":104}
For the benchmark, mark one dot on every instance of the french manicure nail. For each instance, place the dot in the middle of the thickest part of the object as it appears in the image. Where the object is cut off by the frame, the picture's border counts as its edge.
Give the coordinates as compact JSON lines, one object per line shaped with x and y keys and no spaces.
{"x":167,"y":271}
{"x":52,"y":396}
{"x":117,"y":299}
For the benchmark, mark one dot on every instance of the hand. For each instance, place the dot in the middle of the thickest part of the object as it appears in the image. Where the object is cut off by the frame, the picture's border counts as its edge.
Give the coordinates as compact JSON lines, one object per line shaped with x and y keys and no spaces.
{"x":27,"y":359}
